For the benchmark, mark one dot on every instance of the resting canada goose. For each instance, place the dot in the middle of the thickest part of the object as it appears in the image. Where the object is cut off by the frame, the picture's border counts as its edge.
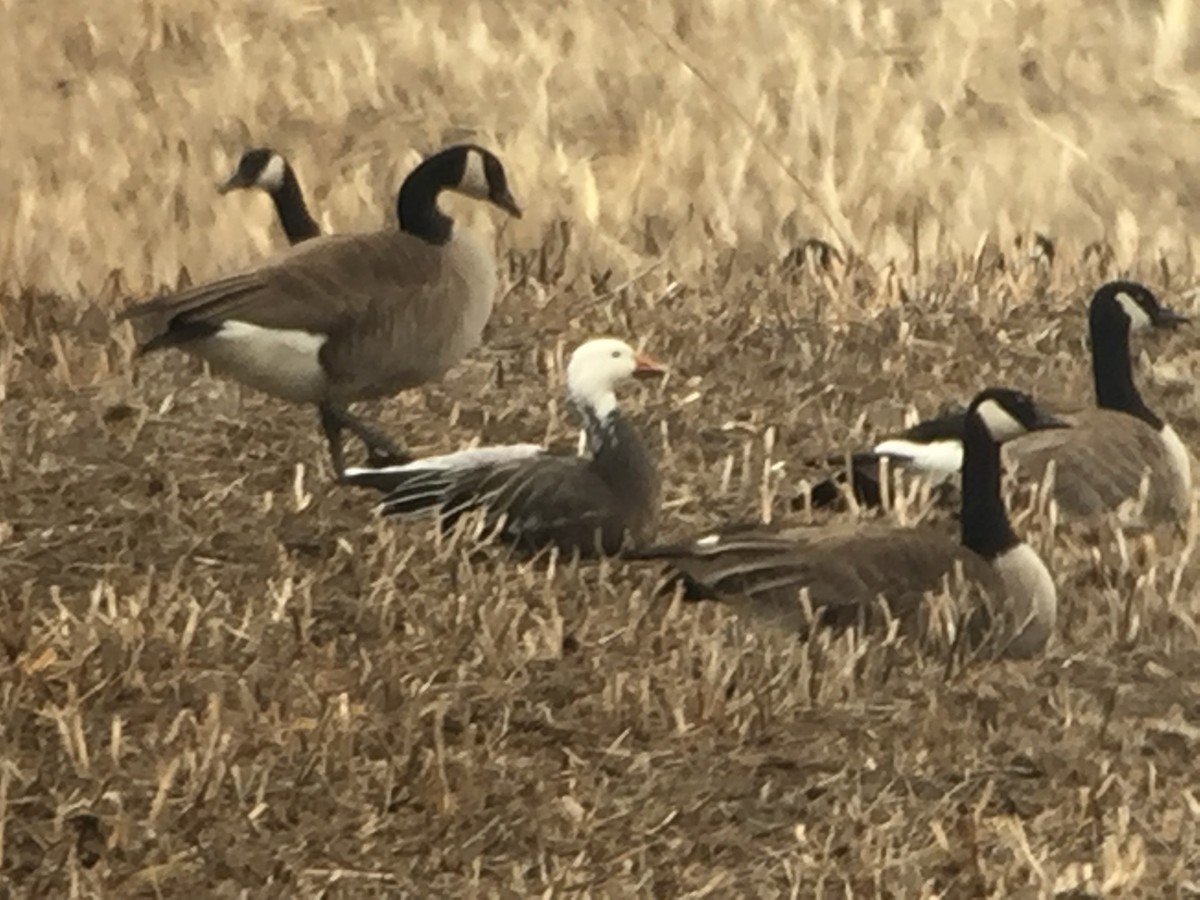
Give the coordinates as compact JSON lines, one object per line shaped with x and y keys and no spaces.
{"x":532,"y":499}
{"x":847,"y":570}
{"x":1101,"y":461}
{"x":352,"y":317}
{"x":932,"y":448}
{"x":267,"y":170}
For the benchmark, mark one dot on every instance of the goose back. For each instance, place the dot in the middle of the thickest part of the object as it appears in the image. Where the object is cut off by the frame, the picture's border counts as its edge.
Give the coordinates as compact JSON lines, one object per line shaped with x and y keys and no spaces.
{"x":389,"y":297}
{"x":1101,"y":461}
{"x":589,"y":506}
{"x":847,"y":572}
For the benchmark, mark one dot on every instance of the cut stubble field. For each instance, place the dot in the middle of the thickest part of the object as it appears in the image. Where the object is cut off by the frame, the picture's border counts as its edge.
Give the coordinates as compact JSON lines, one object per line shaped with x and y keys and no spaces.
{"x":224,"y":676}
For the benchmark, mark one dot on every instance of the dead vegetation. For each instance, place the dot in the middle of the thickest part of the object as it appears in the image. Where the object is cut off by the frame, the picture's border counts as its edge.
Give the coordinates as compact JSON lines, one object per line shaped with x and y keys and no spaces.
{"x":222,"y":677}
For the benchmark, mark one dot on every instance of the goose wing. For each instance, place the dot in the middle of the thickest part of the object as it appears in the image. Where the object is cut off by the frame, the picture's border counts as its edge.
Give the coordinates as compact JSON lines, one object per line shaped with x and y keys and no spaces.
{"x":1099,"y":462}
{"x":530,"y":503}
{"x":845,"y":571}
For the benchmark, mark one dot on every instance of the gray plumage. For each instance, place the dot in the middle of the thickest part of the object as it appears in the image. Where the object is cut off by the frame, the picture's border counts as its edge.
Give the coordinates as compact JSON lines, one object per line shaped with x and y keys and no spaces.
{"x":531,"y":499}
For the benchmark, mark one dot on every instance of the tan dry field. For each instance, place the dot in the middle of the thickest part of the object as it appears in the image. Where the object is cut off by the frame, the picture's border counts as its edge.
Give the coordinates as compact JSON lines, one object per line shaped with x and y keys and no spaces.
{"x":223,"y":677}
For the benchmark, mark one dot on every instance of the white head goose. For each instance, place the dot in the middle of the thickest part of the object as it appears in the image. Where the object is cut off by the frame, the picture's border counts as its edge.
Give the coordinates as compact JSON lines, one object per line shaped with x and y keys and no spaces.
{"x":269,"y":171}
{"x":532,"y":499}
{"x":352,"y":317}
{"x":847,"y":570}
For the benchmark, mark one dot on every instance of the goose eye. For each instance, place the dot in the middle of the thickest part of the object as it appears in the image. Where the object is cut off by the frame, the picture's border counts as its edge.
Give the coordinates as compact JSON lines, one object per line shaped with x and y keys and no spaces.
{"x":616,"y":354}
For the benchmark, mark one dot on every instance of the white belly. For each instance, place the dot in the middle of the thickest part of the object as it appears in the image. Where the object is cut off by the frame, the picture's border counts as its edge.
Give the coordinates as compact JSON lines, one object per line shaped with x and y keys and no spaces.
{"x":279,"y":362}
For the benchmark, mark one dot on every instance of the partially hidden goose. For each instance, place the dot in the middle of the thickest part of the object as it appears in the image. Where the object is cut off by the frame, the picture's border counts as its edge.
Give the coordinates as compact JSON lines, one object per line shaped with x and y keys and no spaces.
{"x":1099,"y":463}
{"x":847,"y":570}
{"x":350,"y":317}
{"x":1102,"y":461}
{"x":931,"y":448}
{"x":530,"y":498}
{"x":269,"y":171}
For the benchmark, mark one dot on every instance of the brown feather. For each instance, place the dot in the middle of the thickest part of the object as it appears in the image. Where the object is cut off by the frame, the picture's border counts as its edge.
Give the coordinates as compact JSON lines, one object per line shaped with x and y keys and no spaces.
{"x":847,"y":570}
{"x":412,"y":308}
{"x":1099,"y":464}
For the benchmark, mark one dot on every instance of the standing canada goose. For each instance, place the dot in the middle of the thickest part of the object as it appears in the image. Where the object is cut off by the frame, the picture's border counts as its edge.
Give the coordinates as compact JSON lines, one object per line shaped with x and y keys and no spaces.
{"x":1101,"y":461}
{"x":531,"y":499}
{"x":352,"y":317}
{"x":847,"y":570}
{"x":267,"y":170}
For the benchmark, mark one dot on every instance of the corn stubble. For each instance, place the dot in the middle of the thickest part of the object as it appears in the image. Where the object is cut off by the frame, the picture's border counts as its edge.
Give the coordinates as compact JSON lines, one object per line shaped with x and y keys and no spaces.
{"x":222,"y":674}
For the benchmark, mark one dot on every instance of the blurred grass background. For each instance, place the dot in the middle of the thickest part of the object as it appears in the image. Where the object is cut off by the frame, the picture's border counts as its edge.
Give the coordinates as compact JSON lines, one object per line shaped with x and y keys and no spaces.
{"x":666,"y":130}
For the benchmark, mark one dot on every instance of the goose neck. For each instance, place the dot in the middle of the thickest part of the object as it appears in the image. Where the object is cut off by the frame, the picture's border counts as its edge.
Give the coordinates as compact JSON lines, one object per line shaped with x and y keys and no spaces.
{"x":1112,"y":369}
{"x":298,"y":223}
{"x":985,"y":527}
{"x":417,"y":204}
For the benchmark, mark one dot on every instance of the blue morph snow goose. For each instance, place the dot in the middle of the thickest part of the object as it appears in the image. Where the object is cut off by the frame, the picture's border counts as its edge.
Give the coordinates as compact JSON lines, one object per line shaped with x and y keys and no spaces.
{"x":530,"y":498}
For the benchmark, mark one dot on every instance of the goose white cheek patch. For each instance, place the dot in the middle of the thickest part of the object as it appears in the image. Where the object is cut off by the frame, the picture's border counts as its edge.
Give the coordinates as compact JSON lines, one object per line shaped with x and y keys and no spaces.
{"x":474,"y":178}
{"x":1138,"y":317}
{"x":271,"y":176}
{"x":935,"y":458}
{"x":1000,"y":422}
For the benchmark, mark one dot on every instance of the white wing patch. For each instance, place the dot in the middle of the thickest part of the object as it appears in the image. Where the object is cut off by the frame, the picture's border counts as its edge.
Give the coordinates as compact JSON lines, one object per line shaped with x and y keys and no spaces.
{"x":459,"y":460}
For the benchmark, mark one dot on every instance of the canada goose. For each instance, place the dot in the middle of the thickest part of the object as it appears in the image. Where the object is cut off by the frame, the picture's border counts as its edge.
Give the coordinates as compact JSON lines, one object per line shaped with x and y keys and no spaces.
{"x":846,"y":570}
{"x":352,"y":317}
{"x":267,"y":170}
{"x":1101,"y":461}
{"x":931,"y":449}
{"x":530,"y":498}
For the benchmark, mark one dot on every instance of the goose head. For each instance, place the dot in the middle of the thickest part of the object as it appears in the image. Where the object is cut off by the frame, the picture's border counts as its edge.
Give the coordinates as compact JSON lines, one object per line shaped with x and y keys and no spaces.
{"x":1128,"y":306}
{"x":261,"y":167}
{"x":1005,"y":414}
{"x":472,"y":171}
{"x":598,"y":366}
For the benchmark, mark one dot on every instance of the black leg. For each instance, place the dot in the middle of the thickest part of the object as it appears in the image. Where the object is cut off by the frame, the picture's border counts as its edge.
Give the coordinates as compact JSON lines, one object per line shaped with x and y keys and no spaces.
{"x":380,"y":450}
{"x":332,"y":424}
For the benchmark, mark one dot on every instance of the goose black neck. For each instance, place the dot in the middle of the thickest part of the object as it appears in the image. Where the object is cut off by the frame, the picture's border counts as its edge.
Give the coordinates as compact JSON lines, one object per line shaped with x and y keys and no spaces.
{"x":417,"y":207}
{"x":985,"y":528}
{"x":619,"y":455}
{"x":1112,"y":365}
{"x":297,"y":223}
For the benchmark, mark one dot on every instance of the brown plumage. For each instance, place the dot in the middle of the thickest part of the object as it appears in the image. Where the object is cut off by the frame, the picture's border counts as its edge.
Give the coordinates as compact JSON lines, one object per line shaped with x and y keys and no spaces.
{"x":1102,"y":460}
{"x":855,"y":574}
{"x":351,"y":317}
{"x":1095,"y":476}
{"x":843,"y":568}
{"x":531,"y":499}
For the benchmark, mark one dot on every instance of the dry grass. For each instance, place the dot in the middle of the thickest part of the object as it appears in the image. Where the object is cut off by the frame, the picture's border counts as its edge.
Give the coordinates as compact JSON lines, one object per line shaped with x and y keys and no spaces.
{"x":223,"y":678}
